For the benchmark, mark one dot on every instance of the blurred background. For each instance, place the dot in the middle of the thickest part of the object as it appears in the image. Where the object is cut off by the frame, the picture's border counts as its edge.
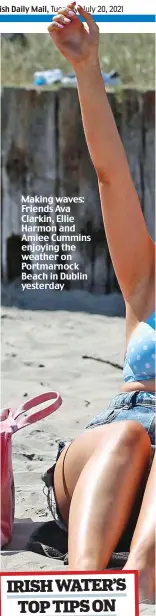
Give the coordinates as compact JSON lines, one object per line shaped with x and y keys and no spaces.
{"x":131,"y":54}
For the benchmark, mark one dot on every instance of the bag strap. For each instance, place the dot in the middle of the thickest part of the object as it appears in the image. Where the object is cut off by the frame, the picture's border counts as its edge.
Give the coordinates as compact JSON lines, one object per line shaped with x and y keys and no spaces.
{"x":33,"y":417}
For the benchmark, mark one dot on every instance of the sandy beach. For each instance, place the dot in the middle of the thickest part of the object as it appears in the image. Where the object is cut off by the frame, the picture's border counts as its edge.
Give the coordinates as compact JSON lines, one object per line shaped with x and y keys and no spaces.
{"x":43,"y":348}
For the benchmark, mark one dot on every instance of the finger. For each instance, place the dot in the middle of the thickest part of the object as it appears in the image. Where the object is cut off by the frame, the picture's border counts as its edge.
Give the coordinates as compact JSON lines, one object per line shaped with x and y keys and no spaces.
{"x":71,"y":5}
{"x":62,"y":19}
{"x":55,"y":26}
{"x":88,"y":18}
{"x":67,"y":12}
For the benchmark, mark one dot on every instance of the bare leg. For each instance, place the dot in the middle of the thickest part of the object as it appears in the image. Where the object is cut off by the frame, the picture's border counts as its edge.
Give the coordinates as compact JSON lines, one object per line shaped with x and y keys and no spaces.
{"x":98,"y":479}
{"x":142,"y":552}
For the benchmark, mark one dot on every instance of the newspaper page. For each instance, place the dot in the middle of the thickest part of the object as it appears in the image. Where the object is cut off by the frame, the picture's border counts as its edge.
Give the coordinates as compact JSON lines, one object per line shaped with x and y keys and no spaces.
{"x":78,"y":308}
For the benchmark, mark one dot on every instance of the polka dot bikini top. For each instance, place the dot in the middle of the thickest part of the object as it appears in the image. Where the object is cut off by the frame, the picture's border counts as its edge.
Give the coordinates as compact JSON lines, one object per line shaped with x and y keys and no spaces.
{"x":140,"y":358}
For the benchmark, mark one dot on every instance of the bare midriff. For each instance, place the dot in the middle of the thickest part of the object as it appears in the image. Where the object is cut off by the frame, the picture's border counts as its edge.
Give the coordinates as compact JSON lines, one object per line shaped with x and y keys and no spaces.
{"x":149,"y":385}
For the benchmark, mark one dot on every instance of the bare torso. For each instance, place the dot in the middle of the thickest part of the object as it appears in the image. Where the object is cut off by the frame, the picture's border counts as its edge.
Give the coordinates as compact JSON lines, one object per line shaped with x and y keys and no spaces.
{"x":149,"y":385}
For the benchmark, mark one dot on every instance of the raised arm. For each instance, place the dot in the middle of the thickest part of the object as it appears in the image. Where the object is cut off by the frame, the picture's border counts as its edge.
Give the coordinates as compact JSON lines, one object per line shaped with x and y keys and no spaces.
{"x":131,"y":248}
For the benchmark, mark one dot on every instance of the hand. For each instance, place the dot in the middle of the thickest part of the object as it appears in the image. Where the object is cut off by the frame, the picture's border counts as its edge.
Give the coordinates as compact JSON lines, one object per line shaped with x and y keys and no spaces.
{"x":77,"y":41}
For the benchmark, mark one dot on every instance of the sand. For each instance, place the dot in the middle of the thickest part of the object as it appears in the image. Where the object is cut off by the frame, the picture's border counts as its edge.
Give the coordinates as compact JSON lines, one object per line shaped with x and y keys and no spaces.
{"x":44,"y":340}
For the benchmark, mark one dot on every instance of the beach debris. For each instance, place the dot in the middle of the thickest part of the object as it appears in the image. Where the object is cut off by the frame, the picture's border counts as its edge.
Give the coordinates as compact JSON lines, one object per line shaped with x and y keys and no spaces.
{"x":54,"y":76}
{"x":29,"y":456}
{"x":103,"y":361}
{"x":47,"y":78}
{"x":112,"y":79}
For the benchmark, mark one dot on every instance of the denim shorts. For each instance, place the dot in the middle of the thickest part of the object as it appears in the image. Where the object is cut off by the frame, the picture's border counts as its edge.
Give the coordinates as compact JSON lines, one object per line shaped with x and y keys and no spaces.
{"x":135,"y":406}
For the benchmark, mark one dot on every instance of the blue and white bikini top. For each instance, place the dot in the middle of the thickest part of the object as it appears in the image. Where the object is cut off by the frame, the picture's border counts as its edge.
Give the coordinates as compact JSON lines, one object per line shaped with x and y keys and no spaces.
{"x":139,"y":364}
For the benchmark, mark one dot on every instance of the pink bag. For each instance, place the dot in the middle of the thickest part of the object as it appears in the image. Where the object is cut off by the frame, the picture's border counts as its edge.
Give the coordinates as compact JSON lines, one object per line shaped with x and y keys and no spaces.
{"x":8,"y":426}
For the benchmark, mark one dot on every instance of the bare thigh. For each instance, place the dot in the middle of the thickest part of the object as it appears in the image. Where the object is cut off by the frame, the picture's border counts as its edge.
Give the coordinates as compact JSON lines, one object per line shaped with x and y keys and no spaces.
{"x":74,"y":457}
